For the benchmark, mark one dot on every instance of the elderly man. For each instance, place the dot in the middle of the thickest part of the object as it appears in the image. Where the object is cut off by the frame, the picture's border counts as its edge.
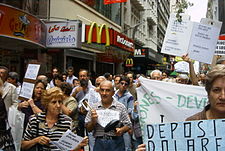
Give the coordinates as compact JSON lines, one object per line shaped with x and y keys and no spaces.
{"x":112,"y":140}
{"x":156,"y":75}
{"x":9,"y":90}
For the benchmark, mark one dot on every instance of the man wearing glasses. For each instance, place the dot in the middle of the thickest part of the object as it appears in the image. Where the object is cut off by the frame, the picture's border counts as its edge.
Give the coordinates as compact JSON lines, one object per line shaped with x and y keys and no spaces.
{"x":124,"y":96}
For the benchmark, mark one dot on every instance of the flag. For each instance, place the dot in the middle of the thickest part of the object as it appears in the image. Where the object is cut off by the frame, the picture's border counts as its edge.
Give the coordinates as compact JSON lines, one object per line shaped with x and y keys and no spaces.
{"x":113,"y":1}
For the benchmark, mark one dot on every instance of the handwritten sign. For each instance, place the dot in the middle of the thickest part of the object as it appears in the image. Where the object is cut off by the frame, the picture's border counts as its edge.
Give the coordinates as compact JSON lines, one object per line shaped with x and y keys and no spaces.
{"x":163,"y":102}
{"x":197,"y":39}
{"x":68,"y":141}
{"x":63,"y":34}
{"x":177,"y":36}
{"x":203,"y":42}
{"x":106,"y":116}
{"x":27,"y":90}
{"x":32,"y":71}
{"x":204,"y":135}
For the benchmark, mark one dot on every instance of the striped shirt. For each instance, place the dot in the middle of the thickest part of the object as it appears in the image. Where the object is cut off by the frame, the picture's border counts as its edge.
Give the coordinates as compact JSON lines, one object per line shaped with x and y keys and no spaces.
{"x":116,"y":106}
{"x":55,"y":133}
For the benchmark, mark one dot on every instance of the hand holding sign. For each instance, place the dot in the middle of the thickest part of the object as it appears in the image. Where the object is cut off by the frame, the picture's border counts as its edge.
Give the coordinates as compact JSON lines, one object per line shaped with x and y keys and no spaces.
{"x":69,"y":141}
{"x":105,"y":116}
{"x":94,"y":116}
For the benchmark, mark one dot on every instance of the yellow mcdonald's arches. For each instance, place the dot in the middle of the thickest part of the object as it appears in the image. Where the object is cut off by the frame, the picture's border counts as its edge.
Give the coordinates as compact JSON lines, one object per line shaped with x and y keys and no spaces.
{"x":99,"y":33}
{"x":129,"y":62}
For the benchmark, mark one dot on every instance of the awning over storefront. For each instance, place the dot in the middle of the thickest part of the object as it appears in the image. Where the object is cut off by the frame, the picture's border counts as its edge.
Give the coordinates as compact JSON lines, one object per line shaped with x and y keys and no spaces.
{"x":19,"y":29}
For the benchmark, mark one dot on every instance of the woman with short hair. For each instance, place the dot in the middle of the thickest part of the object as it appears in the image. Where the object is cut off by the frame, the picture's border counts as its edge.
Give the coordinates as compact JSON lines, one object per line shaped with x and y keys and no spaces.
{"x":48,"y":126}
{"x":215,"y":88}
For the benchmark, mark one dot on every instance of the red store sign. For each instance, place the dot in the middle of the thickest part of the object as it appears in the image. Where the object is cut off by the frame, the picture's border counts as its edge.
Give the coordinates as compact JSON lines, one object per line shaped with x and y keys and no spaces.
{"x":123,"y":41}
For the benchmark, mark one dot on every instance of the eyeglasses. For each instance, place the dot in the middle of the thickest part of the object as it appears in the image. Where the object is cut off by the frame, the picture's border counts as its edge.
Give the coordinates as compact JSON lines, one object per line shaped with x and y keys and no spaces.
{"x":124,"y":83}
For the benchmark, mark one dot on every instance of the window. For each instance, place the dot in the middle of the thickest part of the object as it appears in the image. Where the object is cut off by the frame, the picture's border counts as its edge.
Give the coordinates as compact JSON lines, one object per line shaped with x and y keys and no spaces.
{"x":112,"y":11}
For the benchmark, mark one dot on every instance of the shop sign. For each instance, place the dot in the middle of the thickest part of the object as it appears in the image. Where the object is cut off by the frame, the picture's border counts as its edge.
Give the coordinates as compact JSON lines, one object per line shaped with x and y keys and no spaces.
{"x":129,"y":62}
{"x":15,"y":23}
{"x":123,"y":41}
{"x":97,"y":34}
{"x":139,"y":52}
{"x":63,"y":34}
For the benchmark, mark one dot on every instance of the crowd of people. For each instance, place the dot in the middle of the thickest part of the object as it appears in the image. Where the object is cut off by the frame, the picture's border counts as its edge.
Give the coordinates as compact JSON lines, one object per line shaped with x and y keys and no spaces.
{"x":78,"y":103}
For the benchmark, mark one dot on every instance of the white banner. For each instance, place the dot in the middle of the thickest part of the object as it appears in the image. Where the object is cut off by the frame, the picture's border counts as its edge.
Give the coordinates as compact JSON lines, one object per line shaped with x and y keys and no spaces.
{"x":63,"y":34}
{"x":163,"y":102}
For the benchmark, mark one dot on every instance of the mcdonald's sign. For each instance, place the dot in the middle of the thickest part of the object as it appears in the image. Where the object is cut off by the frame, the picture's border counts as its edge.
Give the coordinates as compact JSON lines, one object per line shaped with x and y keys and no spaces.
{"x":129,"y":62}
{"x":101,"y":34}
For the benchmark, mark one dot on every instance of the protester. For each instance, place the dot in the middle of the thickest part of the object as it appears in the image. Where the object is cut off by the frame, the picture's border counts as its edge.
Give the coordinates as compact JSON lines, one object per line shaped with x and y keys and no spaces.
{"x":70,"y":105}
{"x":201,"y":79}
{"x":13,"y":78}
{"x":193,"y":76}
{"x":64,"y":76}
{"x":182,"y":78}
{"x":70,"y":76}
{"x":117,"y":81}
{"x":124,"y":96}
{"x":112,"y":140}
{"x":58,"y":79}
{"x":132,"y":86}
{"x":108,"y":76}
{"x":48,"y":126}
{"x":137,"y":132}
{"x":156,"y":75}
{"x":76,"y":83}
{"x":9,"y":90}
{"x":44,"y":79}
{"x":55,"y":71}
{"x":6,"y":141}
{"x":215,"y":88}
{"x":98,"y":82}
{"x":33,"y":105}
{"x":88,"y":93}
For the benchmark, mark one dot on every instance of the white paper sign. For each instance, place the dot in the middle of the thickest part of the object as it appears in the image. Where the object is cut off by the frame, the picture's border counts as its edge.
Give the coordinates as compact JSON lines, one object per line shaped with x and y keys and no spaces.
{"x":182,"y":66}
{"x":27,"y":90}
{"x":163,"y":102}
{"x":203,"y":42}
{"x":68,"y":141}
{"x":106,"y":116}
{"x":32,"y":71}
{"x":177,"y":36}
{"x":196,"y":39}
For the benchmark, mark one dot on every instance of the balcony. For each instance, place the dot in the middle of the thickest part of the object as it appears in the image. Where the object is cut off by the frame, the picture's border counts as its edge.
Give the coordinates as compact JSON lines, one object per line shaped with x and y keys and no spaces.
{"x":138,"y":4}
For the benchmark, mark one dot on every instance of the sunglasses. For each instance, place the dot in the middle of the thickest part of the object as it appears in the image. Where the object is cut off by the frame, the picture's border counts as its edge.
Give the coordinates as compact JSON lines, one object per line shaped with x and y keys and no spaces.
{"x":124,"y":83}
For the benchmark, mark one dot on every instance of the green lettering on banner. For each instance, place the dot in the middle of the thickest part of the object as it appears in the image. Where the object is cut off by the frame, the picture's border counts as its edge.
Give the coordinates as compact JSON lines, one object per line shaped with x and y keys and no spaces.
{"x":191,"y":102}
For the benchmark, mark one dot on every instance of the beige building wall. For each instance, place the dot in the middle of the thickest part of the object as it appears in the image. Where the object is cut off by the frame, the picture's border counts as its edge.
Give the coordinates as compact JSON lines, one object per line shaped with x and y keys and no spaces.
{"x":76,"y":10}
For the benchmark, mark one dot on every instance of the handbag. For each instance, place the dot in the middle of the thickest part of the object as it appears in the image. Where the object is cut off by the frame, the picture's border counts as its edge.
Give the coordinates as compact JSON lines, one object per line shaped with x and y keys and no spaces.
{"x":16,"y":120}
{"x":6,"y":139}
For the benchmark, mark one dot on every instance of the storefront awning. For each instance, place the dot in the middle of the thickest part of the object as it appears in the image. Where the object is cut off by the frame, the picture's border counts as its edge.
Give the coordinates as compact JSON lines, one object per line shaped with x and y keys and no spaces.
{"x":19,"y":29}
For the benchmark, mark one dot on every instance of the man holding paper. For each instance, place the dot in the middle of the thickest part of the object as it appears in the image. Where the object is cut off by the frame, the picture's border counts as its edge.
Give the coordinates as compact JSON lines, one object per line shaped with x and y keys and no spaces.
{"x":104,"y":112}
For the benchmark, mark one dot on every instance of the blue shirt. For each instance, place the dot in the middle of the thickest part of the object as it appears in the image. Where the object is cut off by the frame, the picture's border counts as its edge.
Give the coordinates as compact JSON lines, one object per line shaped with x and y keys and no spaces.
{"x":127,"y":99}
